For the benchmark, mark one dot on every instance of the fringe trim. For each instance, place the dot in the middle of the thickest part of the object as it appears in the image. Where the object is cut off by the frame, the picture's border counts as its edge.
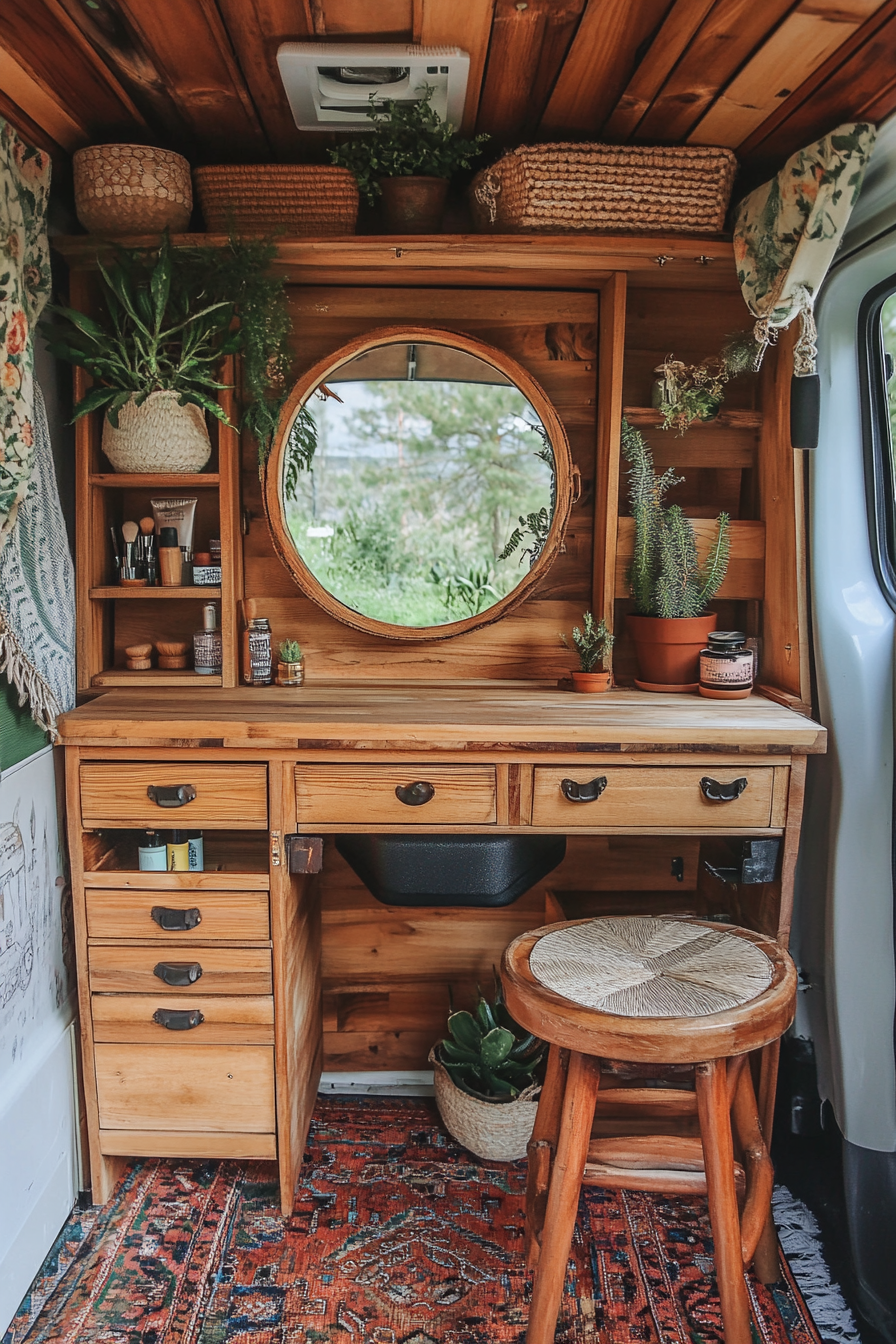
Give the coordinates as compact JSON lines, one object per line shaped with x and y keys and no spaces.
{"x":25,"y":678}
{"x":800,"y":1238}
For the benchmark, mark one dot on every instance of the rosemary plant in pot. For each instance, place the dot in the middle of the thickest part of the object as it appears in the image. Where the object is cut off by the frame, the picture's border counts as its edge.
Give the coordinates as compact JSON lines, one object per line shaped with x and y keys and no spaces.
{"x":408,"y":159}
{"x":486,"y":1080}
{"x":670,"y":585}
{"x":593,"y":644}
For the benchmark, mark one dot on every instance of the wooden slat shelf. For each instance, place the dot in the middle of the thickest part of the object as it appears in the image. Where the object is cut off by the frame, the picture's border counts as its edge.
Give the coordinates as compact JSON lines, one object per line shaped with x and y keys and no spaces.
{"x":649,"y":416}
{"x":117,"y":591}
{"x":156,"y":480}
{"x":153,"y":676}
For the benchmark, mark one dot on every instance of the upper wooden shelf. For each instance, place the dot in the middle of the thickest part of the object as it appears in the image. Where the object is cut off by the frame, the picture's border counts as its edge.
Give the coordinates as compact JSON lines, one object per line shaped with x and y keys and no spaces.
{"x":669,"y":260}
{"x":646,"y":417}
{"x":155,"y":480}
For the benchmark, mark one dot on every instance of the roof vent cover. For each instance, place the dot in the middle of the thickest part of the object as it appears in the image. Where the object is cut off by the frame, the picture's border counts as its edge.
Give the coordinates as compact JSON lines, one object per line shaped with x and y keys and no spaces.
{"x":330,"y":86}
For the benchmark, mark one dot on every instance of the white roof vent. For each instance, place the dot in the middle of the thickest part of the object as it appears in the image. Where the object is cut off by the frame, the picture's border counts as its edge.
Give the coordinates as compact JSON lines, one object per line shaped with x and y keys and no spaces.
{"x":330,"y":86}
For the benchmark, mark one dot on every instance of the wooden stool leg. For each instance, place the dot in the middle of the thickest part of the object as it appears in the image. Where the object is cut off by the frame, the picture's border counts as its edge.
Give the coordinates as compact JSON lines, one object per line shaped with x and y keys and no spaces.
{"x":541,"y":1148}
{"x":576,"y":1119}
{"x":718,"y":1157}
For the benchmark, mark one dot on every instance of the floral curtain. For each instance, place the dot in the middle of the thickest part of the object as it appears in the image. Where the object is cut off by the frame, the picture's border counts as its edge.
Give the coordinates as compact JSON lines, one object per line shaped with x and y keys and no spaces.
{"x":24,"y":289}
{"x":787,"y":231}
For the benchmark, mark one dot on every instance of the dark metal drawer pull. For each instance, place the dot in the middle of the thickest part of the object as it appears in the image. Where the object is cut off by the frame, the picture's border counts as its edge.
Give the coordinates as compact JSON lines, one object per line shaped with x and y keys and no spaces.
{"x":171,"y":795}
{"x":178,"y":1019}
{"x":583,"y":793}
{"x":178,"y":973}
{"x":415,"y":795}
{"x":176,"y":921}
{"x":722,"y":793}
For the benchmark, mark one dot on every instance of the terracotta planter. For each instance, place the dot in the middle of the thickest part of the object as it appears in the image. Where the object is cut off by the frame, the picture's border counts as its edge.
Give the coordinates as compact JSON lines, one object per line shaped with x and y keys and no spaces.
{"x":160,"y":435}
{"x":668,"y":651}
{"x":590,"y":683}
{"x":413,"y":204}
{"x":291,"y":674}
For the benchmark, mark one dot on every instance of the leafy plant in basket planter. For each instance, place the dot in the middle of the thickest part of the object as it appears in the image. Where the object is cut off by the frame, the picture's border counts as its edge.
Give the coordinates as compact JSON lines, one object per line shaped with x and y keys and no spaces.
{"x":670,"y":585}
{"x":170,"y":318}
{"x":487,"y":1054}
{"x":593,"y":644}
{"x":408,"y":159}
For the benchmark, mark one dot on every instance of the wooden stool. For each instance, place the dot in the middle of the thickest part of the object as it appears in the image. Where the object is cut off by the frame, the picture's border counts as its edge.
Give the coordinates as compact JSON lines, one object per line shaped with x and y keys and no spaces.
{"x":655,"y":991}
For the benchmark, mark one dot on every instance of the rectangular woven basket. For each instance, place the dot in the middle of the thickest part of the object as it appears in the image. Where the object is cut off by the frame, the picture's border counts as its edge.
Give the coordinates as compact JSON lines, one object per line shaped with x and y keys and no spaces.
{"x":304,"y":200}
{"x":605,"y":188}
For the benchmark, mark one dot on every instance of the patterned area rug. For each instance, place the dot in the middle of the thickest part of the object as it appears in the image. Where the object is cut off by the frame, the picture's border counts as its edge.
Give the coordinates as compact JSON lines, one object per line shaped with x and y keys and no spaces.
{"x":398,"y":1236}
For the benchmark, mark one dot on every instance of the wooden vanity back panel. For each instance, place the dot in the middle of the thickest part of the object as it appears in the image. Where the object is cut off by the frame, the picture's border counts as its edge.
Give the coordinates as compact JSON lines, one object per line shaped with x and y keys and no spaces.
{"x":227,"y":796}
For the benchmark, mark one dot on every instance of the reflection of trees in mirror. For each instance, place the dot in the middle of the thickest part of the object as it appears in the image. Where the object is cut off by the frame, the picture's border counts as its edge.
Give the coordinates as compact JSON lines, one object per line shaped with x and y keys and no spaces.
{"x":412,"y":493}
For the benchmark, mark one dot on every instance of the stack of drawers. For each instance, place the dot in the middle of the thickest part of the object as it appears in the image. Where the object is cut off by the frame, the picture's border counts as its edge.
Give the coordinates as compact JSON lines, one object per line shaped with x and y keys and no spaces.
{"x":179,"y":970}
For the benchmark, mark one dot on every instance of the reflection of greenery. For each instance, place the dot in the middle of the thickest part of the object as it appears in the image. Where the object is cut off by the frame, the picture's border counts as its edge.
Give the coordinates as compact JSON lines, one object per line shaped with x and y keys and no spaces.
{"x":412,"y":491}
{"x":301,"y":445}
{"x":534,"y":525}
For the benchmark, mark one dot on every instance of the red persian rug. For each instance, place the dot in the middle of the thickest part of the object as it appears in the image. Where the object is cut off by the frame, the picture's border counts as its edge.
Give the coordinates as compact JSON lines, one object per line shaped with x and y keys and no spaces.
{"x":398,"y":1236}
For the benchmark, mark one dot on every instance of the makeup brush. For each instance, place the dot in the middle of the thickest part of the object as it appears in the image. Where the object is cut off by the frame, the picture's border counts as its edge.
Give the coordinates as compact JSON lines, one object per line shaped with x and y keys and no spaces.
{"x":147,"y":547}
{"x":116,"y":553}
{"x":129,"y":532}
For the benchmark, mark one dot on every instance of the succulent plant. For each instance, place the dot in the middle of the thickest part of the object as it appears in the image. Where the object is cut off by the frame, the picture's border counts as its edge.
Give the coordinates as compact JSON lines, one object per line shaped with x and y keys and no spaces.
{"x":593,"y":643}
{"x":488,"y":1054}
{"x":290,"y":651}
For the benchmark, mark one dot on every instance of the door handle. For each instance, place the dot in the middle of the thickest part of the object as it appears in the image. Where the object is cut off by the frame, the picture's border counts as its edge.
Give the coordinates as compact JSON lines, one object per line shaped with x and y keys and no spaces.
{"x":171,"y":795}
{"x":415,"y":795}
{"x":717,"y":792}
{"x":178,"y":973}
{"x":583,"y":793}
{"x":178,"y":1019}
{"x":176,"y":921}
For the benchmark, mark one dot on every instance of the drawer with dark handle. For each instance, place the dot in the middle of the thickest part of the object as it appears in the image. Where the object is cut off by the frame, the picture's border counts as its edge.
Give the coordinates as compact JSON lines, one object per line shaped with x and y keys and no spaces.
{"x":403,"y":795}
{"x":162,"y":917}
{"x":237,"y":1019}
{"x":661,"y":796}
{"x":123,"y":969}
{"x":129,"y":794}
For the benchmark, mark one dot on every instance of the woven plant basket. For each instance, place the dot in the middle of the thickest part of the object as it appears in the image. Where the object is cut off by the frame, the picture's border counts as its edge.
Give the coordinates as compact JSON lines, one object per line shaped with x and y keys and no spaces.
{"x":304,"y":199}
{"x":132,"y":189}
{"x":160,"y":435}
{"x":600,"y":188}
{"x":496,"y":1131}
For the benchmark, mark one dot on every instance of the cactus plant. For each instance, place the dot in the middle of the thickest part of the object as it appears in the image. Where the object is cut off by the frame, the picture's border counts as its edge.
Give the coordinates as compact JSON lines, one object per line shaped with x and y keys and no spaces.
{"x":290,"y":651}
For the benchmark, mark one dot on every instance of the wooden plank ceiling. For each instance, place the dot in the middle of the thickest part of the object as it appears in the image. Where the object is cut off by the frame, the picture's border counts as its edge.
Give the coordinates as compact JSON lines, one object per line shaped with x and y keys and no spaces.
{"x":761,"y":76}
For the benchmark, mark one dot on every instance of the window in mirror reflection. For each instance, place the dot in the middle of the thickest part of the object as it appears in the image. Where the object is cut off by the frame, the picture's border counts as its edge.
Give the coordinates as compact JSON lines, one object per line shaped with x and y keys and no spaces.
{"x":429,"y":491}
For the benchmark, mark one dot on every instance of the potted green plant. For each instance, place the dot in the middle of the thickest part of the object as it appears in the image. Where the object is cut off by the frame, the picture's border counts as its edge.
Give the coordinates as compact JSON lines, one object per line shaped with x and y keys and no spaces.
{"x":408,"y":159}
{"x":170,"y":316}
{"x":670,"y":585}
{"x":486,"y":1080}
{"x":291,"y":665}
{"x":684,"y":393}
{"x":593,"y":644}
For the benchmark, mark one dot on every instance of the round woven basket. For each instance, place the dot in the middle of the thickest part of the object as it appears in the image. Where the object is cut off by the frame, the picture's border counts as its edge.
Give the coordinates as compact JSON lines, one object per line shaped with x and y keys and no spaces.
{"x":305,"y":200}
{"x":132,"y":189}
{"x":160,"y":435}
{"x":496,"y":1131}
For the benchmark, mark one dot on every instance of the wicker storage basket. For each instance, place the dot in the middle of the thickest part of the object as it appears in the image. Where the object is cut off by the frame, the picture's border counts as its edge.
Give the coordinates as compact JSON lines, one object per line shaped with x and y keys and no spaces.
{"x":496,"y":1131}
{"x":304,"y":199}
{"x":598,"y":188}
{"x":132,"y":189}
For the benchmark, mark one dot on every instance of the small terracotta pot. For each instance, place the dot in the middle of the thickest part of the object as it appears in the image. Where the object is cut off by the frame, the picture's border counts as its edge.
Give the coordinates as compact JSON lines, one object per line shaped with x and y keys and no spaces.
{"x":413,"y":204}
{"x":668,"y":650}
{"x":590,"y":683}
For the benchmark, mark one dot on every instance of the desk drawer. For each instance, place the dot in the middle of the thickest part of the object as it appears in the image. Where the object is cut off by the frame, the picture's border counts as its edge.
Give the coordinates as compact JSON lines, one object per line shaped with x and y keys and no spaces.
{"x":147,"y":1019}
{"x":221,"y":970}
{"x":196,"y":1087}
{"x":653,"y":796}
{"x":436,"y":795}
{"x":241,"y":916}
{"x":223,"y":796}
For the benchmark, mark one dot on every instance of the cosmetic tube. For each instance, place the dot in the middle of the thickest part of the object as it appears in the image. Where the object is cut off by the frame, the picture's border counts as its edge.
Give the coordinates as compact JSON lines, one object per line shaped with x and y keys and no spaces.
{"x":178,"y":847}
{"x":179,"y":513}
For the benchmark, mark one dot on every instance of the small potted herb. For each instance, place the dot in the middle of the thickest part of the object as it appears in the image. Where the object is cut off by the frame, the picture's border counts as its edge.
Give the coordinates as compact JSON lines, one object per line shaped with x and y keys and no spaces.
{"x":291,"y":665}
{"x":593,"y":644}
{"x":670,"y":585}
{"x":486,"y":1080}
{"x":408,"y":160}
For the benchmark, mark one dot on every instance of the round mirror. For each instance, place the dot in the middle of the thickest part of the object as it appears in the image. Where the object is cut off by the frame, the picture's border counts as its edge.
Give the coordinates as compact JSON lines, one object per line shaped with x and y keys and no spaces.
{"x":419,"y":484}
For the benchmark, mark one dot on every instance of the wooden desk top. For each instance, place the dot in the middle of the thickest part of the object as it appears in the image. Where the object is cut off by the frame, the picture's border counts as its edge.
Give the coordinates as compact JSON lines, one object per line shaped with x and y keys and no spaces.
{"x":438,"y":715}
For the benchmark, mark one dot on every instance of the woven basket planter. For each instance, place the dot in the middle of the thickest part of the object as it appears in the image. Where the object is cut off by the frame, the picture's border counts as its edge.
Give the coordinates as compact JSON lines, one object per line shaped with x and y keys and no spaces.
{"x":605,"y":188}
{"x":495,"y":1131}
{"x":160,"y":435}
{"x":303,"y":199}
{"x":132,"y":189}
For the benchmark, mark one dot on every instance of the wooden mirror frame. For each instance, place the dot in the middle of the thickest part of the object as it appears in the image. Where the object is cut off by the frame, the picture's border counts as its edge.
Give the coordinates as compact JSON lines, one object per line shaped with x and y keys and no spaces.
{"x":566,"y":479}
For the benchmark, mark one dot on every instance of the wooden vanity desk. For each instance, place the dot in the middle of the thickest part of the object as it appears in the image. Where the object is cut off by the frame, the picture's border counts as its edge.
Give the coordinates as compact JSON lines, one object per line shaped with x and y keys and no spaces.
{"x":269,"y":763}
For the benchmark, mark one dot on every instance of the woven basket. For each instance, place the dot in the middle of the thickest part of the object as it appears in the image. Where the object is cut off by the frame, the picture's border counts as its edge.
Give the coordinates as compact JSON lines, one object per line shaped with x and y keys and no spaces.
{"x":132,"y":189}
{"x":304,"y":199}
{"x":160,"y":435}
{"x":496,"y":1131}
{"x":618,"y":188}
